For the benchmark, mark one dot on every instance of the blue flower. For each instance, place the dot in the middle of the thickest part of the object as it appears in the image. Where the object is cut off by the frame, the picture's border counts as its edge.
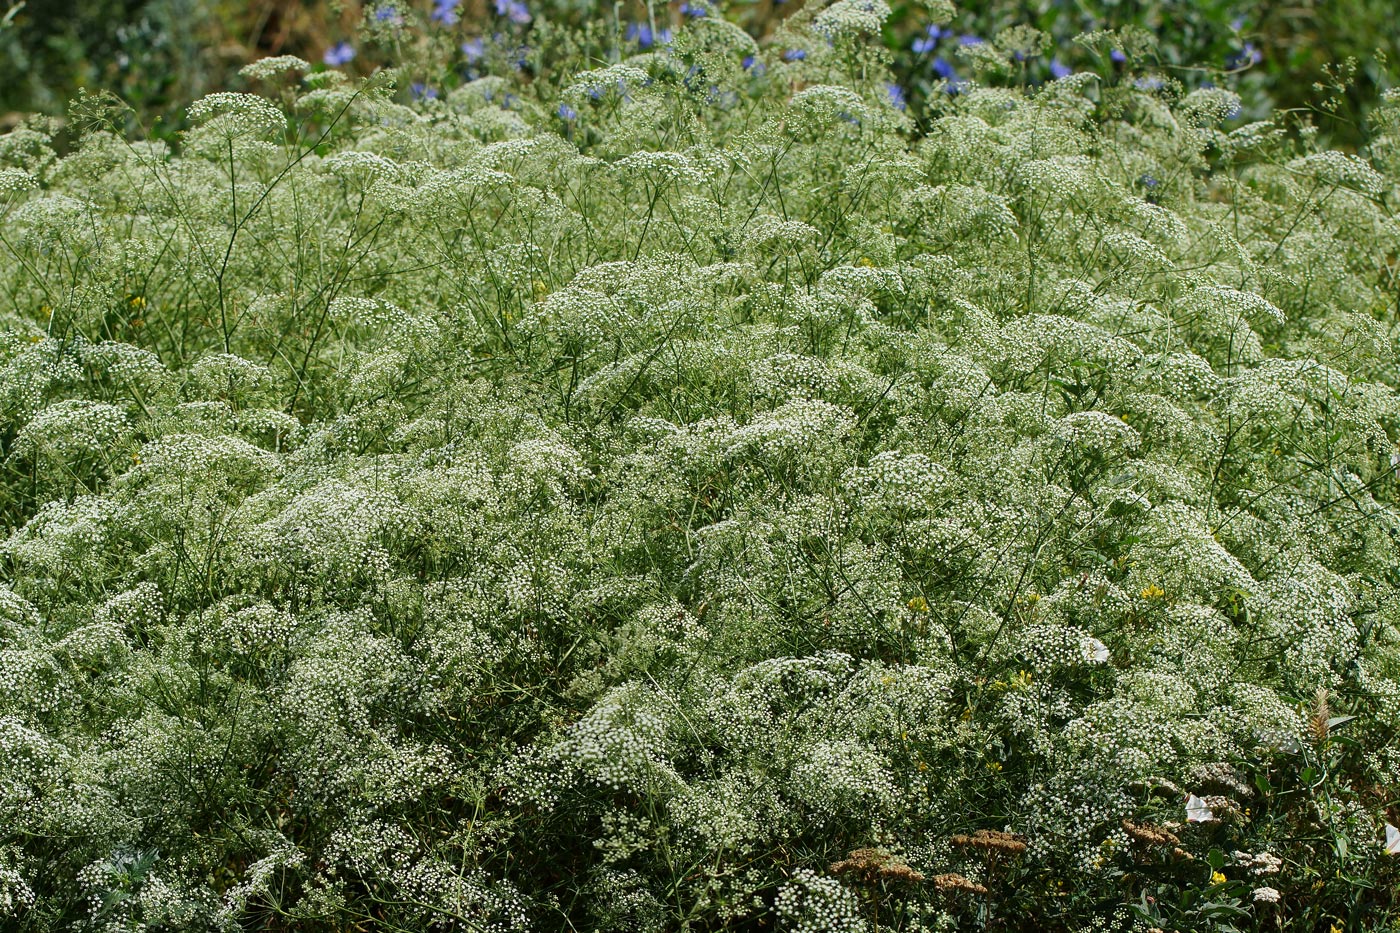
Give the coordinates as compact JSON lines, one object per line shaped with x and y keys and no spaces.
{"x":694,"y":9}
{"x":567,"y":113}
{"x":445,"y":12}
{"x":794,"y":55}
{"x":1147,"y":181}
{"x":1059,"y":69}
{"x":944,"y":68}
{"x":387,"y":14}
{"x":969,"y":39}
{"x":896,"y":95}
{"x":926,"y":43}
{"x":339,"y":54}
{"x":754,"y":67}
{"x":1149,"y":83}
{"x":474,"y":49}
{"x":641,"y":34}
{"x":515,"y":10}
{"x":421,"y":91}
{"x":1249,"y":55}
{"x":1116,"y":55}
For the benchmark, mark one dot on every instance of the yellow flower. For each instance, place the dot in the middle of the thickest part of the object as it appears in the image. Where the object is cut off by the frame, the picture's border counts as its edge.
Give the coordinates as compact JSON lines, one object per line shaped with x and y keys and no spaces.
{"x":1217,"y":878}
{"x":866,"y":261}
{"x":138,"y":302}
{"x":918,"y":604}
{"x":1152,"y":591}
{"x":994,"y":766}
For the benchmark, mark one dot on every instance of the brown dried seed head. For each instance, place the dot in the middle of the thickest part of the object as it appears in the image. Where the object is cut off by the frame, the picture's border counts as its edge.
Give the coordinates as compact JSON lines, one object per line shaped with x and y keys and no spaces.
{"x":953,"y":882}
{"x":991,"y":840}
{"x":876,"y":865}
{"x":1321,"y":712}
{"x":1148,"y":835}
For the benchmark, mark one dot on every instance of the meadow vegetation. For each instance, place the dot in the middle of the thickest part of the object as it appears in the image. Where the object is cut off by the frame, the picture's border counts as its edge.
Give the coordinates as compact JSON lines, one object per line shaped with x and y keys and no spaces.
{"x":665,"y":491}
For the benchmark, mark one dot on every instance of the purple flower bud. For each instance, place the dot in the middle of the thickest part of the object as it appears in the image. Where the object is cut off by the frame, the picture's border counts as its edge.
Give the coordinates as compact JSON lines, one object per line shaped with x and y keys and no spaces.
{"x":1117,"y":56}
{"x":794,"y":55}
{"x":474,"y":49}
{"x":1059,"y":69}
{"x":896,"y":96}
{"x":567,"y":113}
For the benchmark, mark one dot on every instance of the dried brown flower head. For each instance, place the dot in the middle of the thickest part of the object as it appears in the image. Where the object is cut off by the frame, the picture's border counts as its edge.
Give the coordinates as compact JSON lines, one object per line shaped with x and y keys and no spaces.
{"x":872,"y":865}
{"x":953,"y":882}
{"x":992,"y":840}
{"x":1318,"y":725}
{"x":1145,"y":834}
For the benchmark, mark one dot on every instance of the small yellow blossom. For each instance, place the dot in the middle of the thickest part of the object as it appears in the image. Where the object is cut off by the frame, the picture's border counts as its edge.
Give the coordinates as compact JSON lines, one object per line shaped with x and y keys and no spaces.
{"x":918,"y":604}
{"x":1217,"y":878}
{"x":1152,"y":591}
{"x":138,"y":302}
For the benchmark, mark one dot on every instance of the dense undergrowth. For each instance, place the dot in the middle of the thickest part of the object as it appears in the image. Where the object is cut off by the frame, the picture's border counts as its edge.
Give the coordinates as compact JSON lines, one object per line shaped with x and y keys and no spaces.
{"x":674,"y":497}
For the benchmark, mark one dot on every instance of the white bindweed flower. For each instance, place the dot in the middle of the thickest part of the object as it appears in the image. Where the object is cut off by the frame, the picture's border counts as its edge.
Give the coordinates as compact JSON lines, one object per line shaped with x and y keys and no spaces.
{"x":1098,"y":651}
{"x":1392,"y":840}
{"x":1197,"y":811}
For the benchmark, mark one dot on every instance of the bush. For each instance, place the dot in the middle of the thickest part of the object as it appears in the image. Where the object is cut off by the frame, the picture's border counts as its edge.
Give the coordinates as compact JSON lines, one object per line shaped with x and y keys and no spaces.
{"x":669,"y":493}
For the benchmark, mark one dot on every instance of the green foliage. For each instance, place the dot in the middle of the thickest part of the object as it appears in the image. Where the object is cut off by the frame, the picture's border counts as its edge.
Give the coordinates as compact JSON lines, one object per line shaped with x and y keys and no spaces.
{"x":665,"y":493}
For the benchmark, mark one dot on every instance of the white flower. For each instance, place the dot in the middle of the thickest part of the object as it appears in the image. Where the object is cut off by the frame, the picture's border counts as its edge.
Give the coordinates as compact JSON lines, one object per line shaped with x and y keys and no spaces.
{"x":1266,"y":895}
{"x":1197,"y":811}
{"x":1392,"y":840}
{"x":1098,"y":651}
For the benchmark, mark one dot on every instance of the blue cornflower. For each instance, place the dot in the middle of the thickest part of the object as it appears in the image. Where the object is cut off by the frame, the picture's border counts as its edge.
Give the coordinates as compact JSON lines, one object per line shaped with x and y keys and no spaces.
{"x":514,"y":10}
{"x":896,"y":95}
{"x":1059,"y":69}
{"x":694,"y":9}
{"x":926,"y":43}
{"x":754,"y":67}
{"x":944,"y":68}
{"x":969,"y":39}
{"x":567,"y":113}
{"x":794,"y":55}
{"x":642,"y":34}
{"x":339,"y":54}
{"x":445,"y":12}
{"x":1249,"y":55}
{"x":1117,"y":56}
{"x":421,"y":91}
{"x":1147,"y":181}
{"x":474,"y":49}
{"x":387,"y":14}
